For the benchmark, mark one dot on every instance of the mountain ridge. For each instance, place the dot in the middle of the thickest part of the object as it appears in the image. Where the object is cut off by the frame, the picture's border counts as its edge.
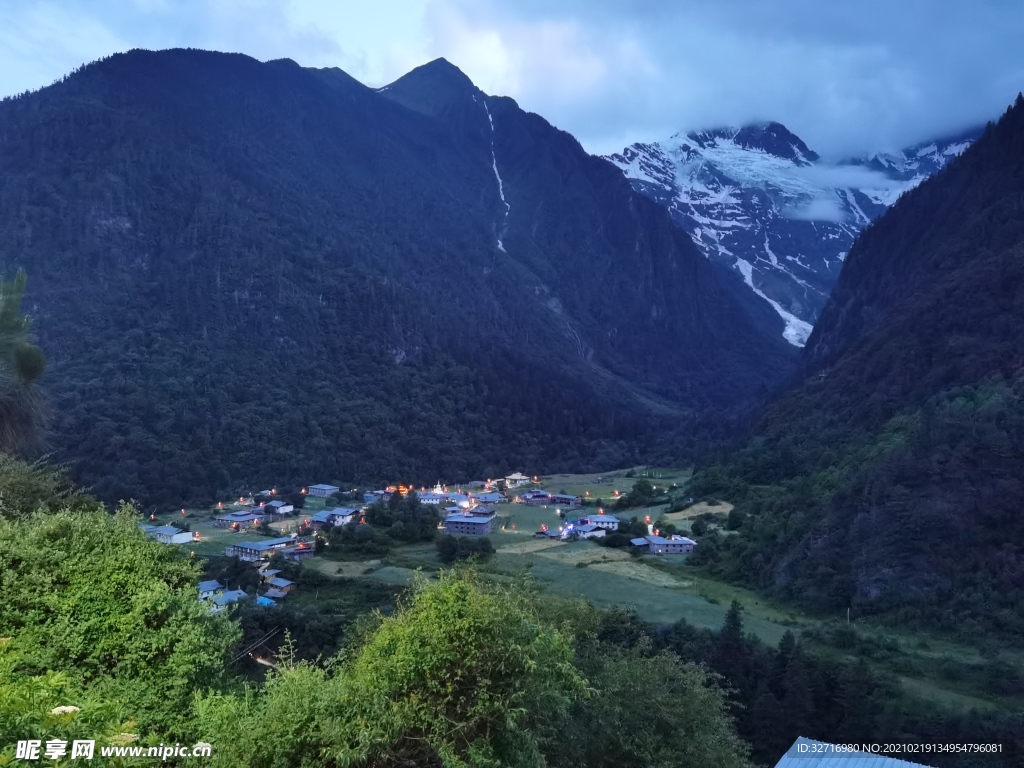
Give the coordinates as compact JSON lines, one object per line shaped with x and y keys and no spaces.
{"x":282,"y":272}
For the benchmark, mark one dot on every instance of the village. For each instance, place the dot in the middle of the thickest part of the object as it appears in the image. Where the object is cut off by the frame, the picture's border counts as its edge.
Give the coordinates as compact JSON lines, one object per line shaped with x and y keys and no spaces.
{"x":525,"y":520}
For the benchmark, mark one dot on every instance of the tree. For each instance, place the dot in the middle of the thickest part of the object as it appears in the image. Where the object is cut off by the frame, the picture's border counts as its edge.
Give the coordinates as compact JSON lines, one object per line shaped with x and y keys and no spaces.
{"x":86,"y":593}
{"x":462,"y":674}
{"x":22,"y":414}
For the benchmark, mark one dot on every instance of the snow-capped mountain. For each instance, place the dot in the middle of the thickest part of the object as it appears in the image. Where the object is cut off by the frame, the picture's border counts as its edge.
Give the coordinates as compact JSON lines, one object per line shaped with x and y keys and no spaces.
{"x":758,"y":202}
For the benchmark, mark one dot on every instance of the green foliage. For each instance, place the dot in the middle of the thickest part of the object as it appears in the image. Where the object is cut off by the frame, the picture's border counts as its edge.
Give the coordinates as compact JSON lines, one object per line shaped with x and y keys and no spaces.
{"x":642,"y":494}
{"x":647,"y":710}
{"x":463,"y":674}
{"x":453,"y":548}
{"x":50,"y":706}
{"x":86,"y":593}
{"x":26,"y":488}
{"x":404,"y":518}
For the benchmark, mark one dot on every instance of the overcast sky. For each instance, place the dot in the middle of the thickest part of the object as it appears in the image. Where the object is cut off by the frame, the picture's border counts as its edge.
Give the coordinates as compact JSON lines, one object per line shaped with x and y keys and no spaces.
{"x":849,"y":77}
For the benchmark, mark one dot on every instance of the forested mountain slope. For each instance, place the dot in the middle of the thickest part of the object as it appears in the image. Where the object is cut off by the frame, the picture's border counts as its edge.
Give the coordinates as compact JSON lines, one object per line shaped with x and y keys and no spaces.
{"x":891,"y":479}
{"x":249,"y":272}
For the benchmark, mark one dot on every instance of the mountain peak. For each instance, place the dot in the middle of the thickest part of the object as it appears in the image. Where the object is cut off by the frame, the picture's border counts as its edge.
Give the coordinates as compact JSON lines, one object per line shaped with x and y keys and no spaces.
{"x":432,"y":88}
{"x":771,"y":137}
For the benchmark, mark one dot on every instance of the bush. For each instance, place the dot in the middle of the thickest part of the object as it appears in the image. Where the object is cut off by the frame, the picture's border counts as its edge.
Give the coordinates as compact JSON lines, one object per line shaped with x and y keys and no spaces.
{"x":451,"y":549}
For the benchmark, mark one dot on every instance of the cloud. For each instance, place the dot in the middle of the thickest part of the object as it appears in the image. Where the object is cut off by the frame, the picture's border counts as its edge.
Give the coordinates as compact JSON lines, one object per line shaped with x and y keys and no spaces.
{"x":817,"y":209}
{"x":848,"y":78}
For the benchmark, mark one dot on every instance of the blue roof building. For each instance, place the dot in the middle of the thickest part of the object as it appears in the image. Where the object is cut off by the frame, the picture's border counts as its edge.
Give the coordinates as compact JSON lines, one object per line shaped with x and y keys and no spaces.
{"x":258,"y":550}
{"x":223,"y":600}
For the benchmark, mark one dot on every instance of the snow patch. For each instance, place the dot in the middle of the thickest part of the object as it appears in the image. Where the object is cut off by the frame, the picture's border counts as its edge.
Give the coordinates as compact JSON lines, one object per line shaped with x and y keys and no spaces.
{"x":797,"y":331}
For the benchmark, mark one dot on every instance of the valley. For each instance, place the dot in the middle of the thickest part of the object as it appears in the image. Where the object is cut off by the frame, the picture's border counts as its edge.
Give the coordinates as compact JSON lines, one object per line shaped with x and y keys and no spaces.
{"x":659,"y":458}
{"x":662,"y":590}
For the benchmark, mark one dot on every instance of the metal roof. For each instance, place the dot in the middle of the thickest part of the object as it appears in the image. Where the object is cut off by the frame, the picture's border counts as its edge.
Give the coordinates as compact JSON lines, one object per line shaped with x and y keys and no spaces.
{"x":266,"y":544}
{"x":638,"y":542}
{"x":280,"y":583}
{"x":807,"y":753}
{"x":170,"y":530}
{"x":210,"y":586}
{"x":466,"y":519}
{"x":230,"y":597}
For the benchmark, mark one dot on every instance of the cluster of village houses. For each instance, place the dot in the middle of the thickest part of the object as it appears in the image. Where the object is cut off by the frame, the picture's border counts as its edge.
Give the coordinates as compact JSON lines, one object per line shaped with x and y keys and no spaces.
{"x":273,"y":587}
{"x":467,"y":513}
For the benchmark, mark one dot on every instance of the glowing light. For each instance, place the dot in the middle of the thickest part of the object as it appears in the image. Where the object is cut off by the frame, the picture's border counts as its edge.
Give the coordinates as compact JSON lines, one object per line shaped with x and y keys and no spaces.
{"x":647,"y":519}
{"x":183,"y":511}
{"x":220,"y":505}
{"x":304,"y":491}
{"x":588,"y":493}
{"x":152,"y":517}
{"x":600,"y":511}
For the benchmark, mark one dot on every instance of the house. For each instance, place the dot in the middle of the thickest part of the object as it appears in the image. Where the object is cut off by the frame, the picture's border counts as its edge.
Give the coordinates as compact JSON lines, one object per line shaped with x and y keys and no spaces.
{"x":243,"y":518}
{"x":274,"y":594}
{"x":432,"y":498}
{"x":468,"y":525}
{"x":548,"y":533}
{"x":336,"y":516}
{"x":806,"y":753}
{"x":564,"y":500}
{"x":369,"y":498}
{"x":224,"y":599}
{"x":674,"y":545}
{"x":265,"y":600}
{"x":480,"y":511}
{"x":489,"y":498}
{"x":322,"y":491}
{"x":608,"y":522}
{"x":516,"y":480}
{"x":282,"y":585}
{"x":280,"y":507}
{"x":298,"y":552}
{"x":640,"y":543}
{"x":252,"y":551}
{"x":535,"y":497}
{"x":167,"y":534}
{"x":589,"y":531}
{"x":208,"y":589}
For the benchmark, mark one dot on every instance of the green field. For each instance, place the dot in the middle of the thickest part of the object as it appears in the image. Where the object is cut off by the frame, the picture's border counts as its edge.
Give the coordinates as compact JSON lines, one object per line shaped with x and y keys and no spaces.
{"x":604,"y":484}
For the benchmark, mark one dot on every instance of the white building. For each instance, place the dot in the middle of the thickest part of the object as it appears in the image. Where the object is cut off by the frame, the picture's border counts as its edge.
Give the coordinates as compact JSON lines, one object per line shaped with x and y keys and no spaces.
{"x":516,"y":480}
{"x":607,"y":522}
{"x":167,"y":534}
{"x":280,"y":507}
{"x":589,"y":531}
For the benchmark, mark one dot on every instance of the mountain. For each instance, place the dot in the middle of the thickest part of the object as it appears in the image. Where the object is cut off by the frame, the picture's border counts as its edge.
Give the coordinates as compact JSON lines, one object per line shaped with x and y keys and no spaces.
{"x":248,"y":272}
{"x":761,"y":204}
{"x":890,"y":479}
